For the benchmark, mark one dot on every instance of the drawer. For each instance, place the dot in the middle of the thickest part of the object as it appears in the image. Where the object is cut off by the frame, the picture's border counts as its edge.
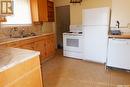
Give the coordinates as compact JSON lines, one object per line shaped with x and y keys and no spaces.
{"x":39,"y":38}
{"x":13,"y":44}
{"x":22,"y":42}
{"x":3,"y":45}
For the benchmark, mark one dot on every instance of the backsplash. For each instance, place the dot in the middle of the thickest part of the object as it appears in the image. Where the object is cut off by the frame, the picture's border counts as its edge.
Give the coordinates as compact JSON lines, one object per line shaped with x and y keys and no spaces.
{"x":6,"y":29}
{"x":123,"y":30}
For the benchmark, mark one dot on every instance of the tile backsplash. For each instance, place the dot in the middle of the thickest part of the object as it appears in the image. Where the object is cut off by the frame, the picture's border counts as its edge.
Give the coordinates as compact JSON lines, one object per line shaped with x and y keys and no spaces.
{"x":5,"y":29}
{"x":123,"y":30}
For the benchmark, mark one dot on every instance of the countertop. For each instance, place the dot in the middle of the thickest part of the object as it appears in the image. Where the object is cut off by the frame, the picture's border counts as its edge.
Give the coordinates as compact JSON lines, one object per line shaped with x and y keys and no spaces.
{"x":120,"y":36}
{"x":10,"y":57}
{"x":9,"y":40}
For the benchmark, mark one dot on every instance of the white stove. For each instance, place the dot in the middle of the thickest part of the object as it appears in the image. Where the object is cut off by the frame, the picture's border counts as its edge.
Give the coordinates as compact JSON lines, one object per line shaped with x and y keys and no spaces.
{"x":73,"y":42}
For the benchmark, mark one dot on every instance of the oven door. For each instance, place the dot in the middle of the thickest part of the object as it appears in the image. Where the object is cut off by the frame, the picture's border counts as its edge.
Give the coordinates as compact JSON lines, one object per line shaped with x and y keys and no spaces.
{"x":73,"y":43}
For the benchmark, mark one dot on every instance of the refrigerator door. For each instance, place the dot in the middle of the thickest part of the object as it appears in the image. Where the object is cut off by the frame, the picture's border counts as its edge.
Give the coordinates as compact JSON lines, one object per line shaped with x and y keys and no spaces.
{"x":96,"y":16}
{"x":95,"y":43}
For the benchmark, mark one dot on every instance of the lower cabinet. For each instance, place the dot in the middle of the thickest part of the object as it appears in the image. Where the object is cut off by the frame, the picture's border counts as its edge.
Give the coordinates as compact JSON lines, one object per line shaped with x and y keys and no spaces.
{"x":31,"y":79}
{"x":3,"y":45}
{"x":50,"y":45}
{"x":44,"y":44}
{"x":40,"y":46}
{"x":28,"y":46}
{"x":26,"y":74}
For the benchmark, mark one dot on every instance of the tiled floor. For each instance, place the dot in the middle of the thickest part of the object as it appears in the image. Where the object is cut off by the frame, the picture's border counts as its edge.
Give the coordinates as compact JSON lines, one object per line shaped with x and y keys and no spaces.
{"x":66,"y":72}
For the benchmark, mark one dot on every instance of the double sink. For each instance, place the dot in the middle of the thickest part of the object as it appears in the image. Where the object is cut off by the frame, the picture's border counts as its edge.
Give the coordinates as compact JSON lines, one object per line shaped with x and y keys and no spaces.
{"x":24,"y":35}
{"x":12,"y":38}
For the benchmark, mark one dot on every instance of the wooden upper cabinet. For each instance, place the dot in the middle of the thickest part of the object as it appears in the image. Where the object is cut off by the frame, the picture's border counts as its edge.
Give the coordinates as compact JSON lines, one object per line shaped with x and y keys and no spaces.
{"x":50,"y":10}
{"x":34,"y":10}
{"x":42,"y":10}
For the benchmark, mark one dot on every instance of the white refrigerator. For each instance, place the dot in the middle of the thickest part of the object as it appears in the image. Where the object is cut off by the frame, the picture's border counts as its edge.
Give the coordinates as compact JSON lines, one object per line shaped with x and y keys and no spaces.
{"x":95,"y":30}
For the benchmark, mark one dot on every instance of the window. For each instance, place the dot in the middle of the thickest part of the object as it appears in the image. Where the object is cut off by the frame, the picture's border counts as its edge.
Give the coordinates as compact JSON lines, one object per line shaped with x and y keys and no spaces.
{"x":22,"y":13}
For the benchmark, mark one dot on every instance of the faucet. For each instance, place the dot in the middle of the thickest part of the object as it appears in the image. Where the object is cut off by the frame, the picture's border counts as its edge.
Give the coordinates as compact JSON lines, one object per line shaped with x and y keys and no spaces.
{"x":22,"y":32}
{"x":118,"y":24}
{"x":12,"y":30}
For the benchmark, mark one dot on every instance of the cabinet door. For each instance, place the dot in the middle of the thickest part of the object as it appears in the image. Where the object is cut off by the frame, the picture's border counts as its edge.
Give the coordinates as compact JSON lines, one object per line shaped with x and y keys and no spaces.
{"x":50,"y":9}
{"x":30,"y":79}
{"x":50,"y":45}
{"x":42,"y":6}
{"x":25,"y":74}
{"x":40,"y":10}
{"x":47,"y":46}
{"x":34,"y":10}
{"x":118,"y":53}
{"x":40,"y":46}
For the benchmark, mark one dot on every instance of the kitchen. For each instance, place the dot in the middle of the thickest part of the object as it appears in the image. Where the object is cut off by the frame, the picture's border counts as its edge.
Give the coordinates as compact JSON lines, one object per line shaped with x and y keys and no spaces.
{"x":58,"y":70}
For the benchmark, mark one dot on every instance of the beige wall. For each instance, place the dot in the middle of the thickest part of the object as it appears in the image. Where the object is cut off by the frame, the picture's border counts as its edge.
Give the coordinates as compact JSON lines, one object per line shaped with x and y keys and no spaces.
{"x":76,"y":9}
{"x":48,"y":27}
{"x":120,"y":12}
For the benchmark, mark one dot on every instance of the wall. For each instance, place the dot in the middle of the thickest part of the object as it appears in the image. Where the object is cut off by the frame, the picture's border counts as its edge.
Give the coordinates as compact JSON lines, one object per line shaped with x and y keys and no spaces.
{"x":76,"y":9}
{"x":48,"y":27}
{"x":120,"y":12}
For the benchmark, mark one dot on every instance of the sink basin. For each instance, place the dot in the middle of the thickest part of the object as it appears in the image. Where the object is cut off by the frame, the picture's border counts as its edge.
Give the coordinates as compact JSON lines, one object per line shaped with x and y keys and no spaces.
{"x":124,"y":31}
{"x":25,"y":35}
